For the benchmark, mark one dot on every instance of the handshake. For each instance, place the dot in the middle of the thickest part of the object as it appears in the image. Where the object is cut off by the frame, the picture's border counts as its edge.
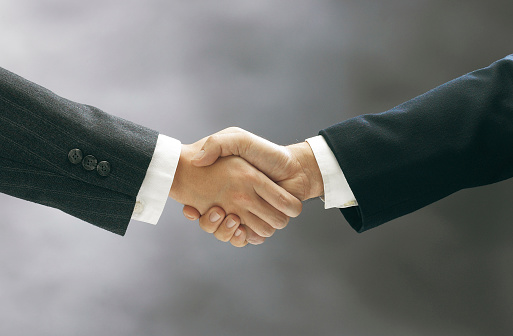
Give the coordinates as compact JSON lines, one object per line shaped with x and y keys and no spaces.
{"x":243,"y":187}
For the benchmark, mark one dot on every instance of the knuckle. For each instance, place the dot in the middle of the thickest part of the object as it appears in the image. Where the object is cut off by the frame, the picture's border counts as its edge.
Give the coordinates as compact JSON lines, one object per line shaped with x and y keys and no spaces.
{"x":238,"y":243}
{"x":233,"y":129}
{"x":213,"y":139}
{"x":207,"y":226}
{"x":222,"y":236}
{"x":241,"y":198}
{"x":248,"y":175}
{"x":285,"y":203}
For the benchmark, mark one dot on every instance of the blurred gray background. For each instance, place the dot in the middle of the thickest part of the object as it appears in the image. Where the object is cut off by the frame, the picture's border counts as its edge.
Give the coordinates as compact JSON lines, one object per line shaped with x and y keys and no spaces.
{"x":283,"y":69}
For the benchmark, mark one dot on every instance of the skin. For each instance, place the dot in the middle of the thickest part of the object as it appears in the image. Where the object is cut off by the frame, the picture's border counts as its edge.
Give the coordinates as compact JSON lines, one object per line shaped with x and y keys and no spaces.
{"x":292,"y":167}
{"x":236,"y":187}
{"x":236,"y":235}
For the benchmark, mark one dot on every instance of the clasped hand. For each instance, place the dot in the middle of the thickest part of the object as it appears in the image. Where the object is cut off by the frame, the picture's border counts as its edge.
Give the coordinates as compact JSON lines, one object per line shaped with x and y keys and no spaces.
{"x":259,"y":184}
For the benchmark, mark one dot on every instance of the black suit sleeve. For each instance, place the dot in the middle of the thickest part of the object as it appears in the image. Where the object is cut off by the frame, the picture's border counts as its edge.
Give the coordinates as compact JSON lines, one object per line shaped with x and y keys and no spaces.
{"x":37,"y":131}
{"x":456,"y":136}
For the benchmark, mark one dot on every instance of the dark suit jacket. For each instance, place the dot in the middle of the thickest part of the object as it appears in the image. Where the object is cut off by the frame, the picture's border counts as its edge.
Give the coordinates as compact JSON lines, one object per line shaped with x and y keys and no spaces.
{"x":456,"y":136}
{"x":37,"y":131}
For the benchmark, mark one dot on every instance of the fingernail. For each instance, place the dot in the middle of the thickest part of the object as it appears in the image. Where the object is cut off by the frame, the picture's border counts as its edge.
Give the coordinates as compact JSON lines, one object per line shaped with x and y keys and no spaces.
{"x":231,"y":223}
{"x":238,"y":233}
{"x":189,"y":216}
{"x":214,"y":217}
{"x":198,"y":155}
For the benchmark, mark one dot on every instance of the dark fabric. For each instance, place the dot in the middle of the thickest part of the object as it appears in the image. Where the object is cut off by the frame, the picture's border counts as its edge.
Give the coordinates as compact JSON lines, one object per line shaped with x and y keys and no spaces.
{"x":39,"y":128}
{"x":456,"y":136}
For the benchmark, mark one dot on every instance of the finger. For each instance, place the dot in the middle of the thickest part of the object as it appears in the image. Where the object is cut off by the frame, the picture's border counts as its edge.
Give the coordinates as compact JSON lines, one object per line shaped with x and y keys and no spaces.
{"x":190,"y":213}
{"x":267,"y":214}
{"x":259,"y":226}
{"x":239,"y":237}
{"x":278,"y":197}
{"x":252,"y":237}
{"x":270,"y":158}
{"x":219,"y":145}
{"x":227,"y":229}
{"x":211,"y":220}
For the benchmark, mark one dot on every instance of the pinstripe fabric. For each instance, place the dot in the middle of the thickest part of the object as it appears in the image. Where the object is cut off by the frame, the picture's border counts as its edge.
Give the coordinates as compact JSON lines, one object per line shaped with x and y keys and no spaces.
{"x":39,"y":128}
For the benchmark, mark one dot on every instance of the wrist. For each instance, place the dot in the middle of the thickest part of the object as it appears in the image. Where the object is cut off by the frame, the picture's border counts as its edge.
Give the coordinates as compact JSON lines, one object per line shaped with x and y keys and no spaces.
{"x":312,"y":178}
{"x":178,"y":190}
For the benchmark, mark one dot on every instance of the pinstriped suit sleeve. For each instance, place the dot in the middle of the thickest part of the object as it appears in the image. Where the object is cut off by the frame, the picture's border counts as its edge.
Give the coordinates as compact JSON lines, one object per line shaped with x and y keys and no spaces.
{"x":39,"y":128}
{"x":456,"y":136}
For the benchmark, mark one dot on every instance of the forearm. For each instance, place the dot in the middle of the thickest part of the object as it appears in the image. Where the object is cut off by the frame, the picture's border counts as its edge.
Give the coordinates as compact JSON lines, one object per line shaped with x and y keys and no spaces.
{"x":453,"y":137}
{"x":37,"y":131}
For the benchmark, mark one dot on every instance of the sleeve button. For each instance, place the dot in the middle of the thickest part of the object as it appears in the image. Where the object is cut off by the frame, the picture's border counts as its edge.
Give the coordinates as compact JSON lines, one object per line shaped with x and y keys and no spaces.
{"x":89,"y":162}
{"x":75,"y":156}
{"x":139,"y":207}
{"x":103,"y":168}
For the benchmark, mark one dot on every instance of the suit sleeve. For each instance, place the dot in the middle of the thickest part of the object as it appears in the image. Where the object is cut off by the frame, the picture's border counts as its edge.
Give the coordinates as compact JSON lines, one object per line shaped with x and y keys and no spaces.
{"x":38,"y":129}
{"x":456,"y":136}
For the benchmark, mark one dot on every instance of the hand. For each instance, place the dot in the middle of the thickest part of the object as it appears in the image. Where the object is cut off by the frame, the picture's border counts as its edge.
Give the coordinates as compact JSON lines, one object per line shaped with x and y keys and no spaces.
{"x":239,"y":188}
{"x":224,"y":229}
{"x":293,"y":167}
{"x":214,"y":221}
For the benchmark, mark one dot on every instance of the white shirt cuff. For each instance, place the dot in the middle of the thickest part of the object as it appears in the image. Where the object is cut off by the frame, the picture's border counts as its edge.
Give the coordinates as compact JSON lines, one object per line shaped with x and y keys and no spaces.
{"x":337,"y":193}
{"x":154,"y":191}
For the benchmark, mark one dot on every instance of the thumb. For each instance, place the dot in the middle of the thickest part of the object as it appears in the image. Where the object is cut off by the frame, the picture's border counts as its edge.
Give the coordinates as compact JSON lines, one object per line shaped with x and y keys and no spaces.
{"x":220,"y":145}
